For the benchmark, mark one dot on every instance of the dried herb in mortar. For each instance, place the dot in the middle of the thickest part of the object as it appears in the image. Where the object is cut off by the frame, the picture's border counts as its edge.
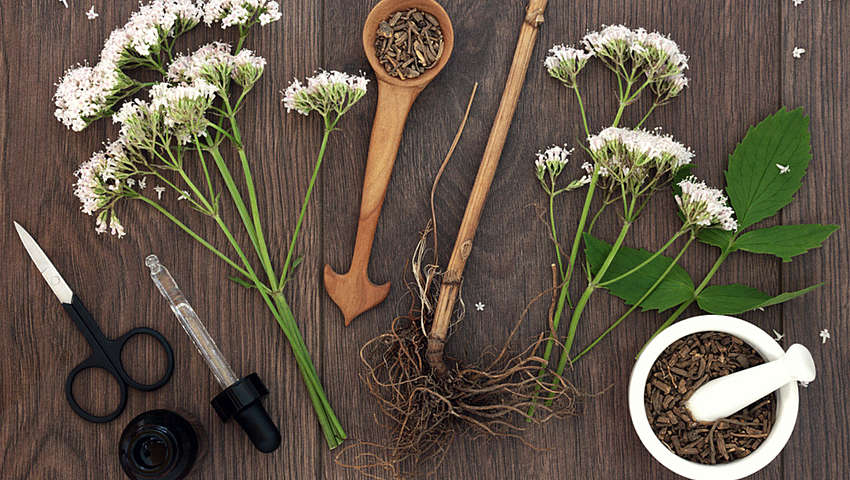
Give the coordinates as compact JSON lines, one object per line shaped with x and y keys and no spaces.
{"x":408,"y":43}
{"x":685,"y":366}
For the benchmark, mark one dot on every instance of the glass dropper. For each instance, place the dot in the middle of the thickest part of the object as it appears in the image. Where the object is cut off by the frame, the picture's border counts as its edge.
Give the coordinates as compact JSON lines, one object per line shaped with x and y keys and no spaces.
{"x":240,"y":398}
{"x":191,"y":323}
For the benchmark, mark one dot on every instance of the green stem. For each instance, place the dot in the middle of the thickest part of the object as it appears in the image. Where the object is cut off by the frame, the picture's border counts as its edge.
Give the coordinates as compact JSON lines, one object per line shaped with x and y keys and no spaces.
{"x":623,"y":104}
{"x":194,"y":235}
{"x":555,"y":232}
{"x":581,"y":109}
{"x":565,"y":286}
{"x":260,"y":242}
{"x":235,"y":195}
{"x":585,"y":297}
{"x":637,"y":304}
{"x":329,"y":126}
{"x":206,"y":170}
{"x":648,"y":260}
{"x":645,"y":117}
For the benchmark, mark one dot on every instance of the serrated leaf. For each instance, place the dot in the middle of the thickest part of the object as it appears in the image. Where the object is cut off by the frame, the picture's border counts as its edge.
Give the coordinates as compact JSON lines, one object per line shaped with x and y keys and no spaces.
{"x":785,"y":241}
{"x":676,"y":288}
{"x":756,"y":187}
{"x":737,"y":298}
{"x":715,"y":236}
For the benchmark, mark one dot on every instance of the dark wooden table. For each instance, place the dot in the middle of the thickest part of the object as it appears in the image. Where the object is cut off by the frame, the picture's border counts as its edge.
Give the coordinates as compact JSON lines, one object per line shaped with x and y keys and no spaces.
{"x":741,"y":70}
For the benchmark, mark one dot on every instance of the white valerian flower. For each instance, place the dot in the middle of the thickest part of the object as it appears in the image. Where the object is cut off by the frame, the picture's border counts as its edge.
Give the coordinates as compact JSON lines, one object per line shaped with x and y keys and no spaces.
{"x":703,"y":206}
{"x":140,"y":125}
{"x":564,"y":63}
{"x":143,"y":183}
{"x":147,"y":29}
{"x":241,"y":12}
{"x":778,"y":336}
{"x":64,"y":2}
{"x":479,"y":306}
{"x":552,"y":160}
{"x":211,"y":62}
{"x":87,"y":93}
{"x":632,"y":53}
{"x":824,"y":335}
{"x":612,"y":44}
{"x":324,"y":93}
{"x":184,"y":195}
{"x":622,"y":152}
{"x":159,"y":189}
{"x":797,"y":3}
{"x":100,"y":184}
{"x":798,"y":52}
{"x":184,"y":107}
{"x":783,"y":169}
{"x":247,"y":68}
{"x":91,"y":14}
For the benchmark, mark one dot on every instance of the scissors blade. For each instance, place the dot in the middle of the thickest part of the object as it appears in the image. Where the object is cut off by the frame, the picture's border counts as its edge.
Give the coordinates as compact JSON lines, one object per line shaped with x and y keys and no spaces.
{"x":61,"y":289}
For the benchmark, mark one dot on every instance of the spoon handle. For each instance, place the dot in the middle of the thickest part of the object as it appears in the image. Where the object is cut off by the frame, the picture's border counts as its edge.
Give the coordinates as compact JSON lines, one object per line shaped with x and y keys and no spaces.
{"x":353,"y":292}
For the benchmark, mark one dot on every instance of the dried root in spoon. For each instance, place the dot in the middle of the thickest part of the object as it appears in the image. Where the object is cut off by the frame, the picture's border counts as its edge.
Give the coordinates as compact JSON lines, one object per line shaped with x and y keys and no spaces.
{"x":408,"y":43}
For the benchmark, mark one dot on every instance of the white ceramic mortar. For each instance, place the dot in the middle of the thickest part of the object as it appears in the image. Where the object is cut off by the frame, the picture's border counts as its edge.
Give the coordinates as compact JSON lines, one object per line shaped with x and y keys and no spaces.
{"x":786,"y":408}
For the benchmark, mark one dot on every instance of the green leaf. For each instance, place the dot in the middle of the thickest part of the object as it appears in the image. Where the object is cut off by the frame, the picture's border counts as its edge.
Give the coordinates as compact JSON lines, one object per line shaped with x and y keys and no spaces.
{"x":785,"y":241}
{"x":241,"y":281}
{"x":756,"y":187}
{"x":784,"y":297}
{"x":676,"y":288}
{"x":715,"y":236}
{"x":737,"y":298}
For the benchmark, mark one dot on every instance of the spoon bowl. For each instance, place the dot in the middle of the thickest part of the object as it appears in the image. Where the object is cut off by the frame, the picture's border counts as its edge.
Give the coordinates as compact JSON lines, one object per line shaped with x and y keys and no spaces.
{"x":380,"y":13}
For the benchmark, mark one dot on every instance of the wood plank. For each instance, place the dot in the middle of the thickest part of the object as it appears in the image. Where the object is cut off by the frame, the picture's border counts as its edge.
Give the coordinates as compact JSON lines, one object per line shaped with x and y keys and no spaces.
{"x":820,"y":83}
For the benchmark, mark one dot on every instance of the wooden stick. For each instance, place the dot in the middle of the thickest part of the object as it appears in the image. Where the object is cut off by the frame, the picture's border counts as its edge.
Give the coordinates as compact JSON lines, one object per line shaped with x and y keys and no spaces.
{"x":486,"y":171}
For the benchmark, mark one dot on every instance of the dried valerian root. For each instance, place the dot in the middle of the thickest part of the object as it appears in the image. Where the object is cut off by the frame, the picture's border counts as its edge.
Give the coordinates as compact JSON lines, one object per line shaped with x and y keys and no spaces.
{"x":424,"y":411}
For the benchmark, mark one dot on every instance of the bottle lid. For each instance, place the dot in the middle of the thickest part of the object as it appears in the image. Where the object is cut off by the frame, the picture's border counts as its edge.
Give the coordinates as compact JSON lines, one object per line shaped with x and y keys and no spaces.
{"x":159,"y":445}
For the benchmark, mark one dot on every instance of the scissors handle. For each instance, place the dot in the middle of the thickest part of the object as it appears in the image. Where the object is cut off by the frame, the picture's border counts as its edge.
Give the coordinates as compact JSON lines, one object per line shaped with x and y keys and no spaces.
{"x":95,"y":362}
{"x":114,"y":348}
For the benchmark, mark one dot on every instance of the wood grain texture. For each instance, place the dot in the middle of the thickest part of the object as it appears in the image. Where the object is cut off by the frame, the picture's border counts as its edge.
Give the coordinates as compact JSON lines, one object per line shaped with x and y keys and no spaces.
{"x":741,"y":70}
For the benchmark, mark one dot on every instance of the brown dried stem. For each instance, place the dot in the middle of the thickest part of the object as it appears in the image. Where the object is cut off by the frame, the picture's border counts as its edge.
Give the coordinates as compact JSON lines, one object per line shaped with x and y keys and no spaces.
{"x":486,"y":171}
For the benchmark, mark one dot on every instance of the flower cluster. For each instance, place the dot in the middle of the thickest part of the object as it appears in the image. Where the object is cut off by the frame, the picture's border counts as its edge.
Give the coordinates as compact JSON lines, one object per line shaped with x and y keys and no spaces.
{"x":703,"y":206}
{"x":101,"y":181}
{"x":552,"y":161}
{"x":184,"y":107}
{"x":652,"y":54}
{"x":146,"y":30}
{"x":628,"y":156}
{"x":86,"y":93}
{"x":215,"y":64}
{"x":324,"y":93}
{"x":564,"y":63}
{"x":243,"y":13}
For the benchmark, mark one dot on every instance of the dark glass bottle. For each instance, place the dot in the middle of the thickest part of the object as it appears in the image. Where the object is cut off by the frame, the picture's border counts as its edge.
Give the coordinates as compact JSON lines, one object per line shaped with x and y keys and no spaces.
{"x":159,"y":445}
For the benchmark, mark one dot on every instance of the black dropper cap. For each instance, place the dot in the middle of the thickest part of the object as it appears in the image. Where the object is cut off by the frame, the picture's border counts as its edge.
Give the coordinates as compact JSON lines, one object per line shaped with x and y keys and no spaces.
{"x":243,"y":401}
{"x":159,"y":445}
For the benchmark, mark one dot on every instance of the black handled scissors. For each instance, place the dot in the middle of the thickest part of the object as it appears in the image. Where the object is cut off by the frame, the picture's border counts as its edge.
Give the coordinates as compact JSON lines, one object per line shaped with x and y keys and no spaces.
{"x":106,"y":353}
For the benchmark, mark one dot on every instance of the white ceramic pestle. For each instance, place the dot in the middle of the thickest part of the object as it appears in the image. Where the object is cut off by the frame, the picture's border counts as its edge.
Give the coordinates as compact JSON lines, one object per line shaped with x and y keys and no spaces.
{"x":724,"y":396}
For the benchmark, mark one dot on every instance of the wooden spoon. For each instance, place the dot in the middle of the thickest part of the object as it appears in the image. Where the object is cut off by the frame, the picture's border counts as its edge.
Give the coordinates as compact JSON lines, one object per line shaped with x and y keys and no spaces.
{"x":353,"y":292}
